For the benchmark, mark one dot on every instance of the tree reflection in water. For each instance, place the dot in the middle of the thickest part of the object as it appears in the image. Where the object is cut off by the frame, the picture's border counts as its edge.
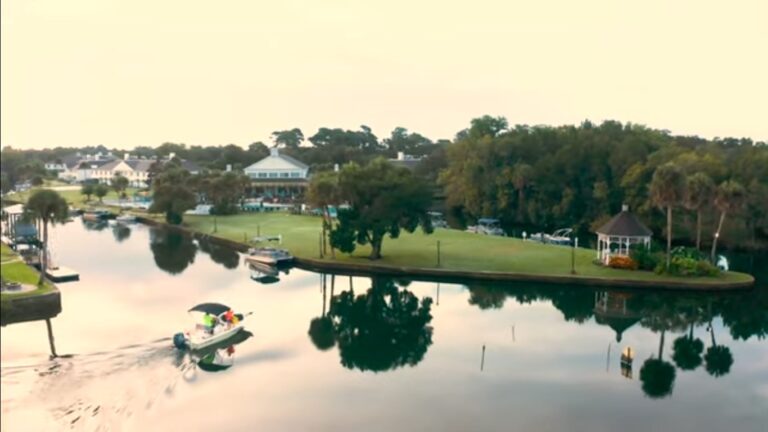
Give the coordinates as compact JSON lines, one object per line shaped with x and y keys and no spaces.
{"x":121,"y":232}
{"x":172,"y":250}
{"x":657,"y":375}
{"x":383,"y":329}
{"x":220,"y":254}
{"x":718,"y":357}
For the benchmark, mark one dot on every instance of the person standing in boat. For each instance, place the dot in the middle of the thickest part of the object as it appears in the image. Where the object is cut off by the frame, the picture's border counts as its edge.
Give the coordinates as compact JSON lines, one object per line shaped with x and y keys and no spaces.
{"x":209,"y":321}
{"x":229,"y":318}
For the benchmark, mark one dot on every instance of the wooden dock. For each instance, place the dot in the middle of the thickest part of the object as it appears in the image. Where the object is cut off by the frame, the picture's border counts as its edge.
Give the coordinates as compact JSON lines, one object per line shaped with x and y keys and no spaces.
{"x":62,"y":274}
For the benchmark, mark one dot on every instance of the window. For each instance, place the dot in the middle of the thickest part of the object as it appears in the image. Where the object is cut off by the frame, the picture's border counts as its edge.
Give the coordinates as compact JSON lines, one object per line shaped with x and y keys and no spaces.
{"x":296,"y":174}
{"x":273,"y":175}
{"x":285,"y":174}
{"x":262,"y":175}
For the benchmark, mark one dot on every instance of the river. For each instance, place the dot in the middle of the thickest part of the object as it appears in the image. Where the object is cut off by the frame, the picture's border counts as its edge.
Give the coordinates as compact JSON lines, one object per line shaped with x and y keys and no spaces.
{"x":338,"y":353}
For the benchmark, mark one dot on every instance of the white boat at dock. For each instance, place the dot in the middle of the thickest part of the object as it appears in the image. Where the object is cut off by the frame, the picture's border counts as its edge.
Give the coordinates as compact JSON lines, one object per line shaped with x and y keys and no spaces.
{"x":268,"y":255}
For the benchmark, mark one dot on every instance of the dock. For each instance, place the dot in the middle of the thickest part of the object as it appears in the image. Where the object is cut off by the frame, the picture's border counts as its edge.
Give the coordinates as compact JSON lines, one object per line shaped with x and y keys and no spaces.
{"x":62,"y":274}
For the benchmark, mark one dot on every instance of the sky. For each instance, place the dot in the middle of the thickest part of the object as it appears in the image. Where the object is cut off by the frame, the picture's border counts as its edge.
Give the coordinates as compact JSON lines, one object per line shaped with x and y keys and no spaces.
{"x":127,"y":73}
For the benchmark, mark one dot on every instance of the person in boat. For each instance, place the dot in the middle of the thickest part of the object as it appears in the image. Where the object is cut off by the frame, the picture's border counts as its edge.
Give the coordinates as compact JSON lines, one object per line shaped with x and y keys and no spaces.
{"x":209,"y":321}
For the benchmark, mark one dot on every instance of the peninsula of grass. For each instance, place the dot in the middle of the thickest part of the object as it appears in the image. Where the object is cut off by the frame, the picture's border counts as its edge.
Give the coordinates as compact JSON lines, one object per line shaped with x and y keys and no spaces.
{"x":459,"y":250}
{"x":13,"y":269}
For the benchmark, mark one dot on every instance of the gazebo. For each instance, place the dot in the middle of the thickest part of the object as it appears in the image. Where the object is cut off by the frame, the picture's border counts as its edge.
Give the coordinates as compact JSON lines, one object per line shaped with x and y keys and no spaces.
{"x":622,"y":231}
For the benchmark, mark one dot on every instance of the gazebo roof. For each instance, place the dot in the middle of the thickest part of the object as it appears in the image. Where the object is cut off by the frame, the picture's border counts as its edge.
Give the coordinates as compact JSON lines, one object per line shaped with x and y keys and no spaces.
{"x":625,"y":224}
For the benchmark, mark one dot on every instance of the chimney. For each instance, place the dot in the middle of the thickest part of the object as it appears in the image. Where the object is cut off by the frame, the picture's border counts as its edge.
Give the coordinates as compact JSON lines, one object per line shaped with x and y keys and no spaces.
{"x":335,"y":167}
{"x":274,"y":152}
{"x":624,"y":207}
{"x":229,"y":167}
{"x":400,"y":156}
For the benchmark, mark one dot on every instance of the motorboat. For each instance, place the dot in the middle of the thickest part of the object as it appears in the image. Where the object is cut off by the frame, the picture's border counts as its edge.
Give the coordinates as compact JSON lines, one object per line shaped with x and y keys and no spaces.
{"x":126,"y":218}
{"x":559,"y":237}
{"x":269,"y":256}
{"x":202,"y":336}
{"x":437,"y":219}
{"x":487,"y":226}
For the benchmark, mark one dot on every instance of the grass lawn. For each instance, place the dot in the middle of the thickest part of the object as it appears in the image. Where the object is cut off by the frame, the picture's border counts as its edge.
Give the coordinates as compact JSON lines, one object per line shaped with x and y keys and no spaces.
{"x":18,"y":271}
{"x":73,"y":197}
{"x":459,"y":250}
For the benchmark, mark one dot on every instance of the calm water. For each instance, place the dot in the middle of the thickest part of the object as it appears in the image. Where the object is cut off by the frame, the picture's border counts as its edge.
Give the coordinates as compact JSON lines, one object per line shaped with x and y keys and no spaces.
{"x":377,"y":355}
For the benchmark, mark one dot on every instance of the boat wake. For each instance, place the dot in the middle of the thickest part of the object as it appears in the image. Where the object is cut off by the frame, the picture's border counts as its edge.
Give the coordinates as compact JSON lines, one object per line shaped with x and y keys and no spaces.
{"x":98,"y":391}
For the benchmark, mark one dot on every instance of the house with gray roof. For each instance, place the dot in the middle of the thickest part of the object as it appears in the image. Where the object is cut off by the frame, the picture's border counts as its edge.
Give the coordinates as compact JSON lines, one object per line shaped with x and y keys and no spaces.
{"x":278,"y":176}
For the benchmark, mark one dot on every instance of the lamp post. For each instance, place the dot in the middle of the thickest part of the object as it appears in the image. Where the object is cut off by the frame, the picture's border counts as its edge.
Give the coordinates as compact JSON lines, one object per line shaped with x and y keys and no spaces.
{"x":573,"y":253}
{"x":717,"y":235}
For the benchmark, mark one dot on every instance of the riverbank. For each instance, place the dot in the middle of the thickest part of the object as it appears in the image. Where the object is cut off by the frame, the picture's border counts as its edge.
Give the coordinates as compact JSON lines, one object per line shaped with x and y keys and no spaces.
{"x":461,"y":255}
{"x":36,"y":303}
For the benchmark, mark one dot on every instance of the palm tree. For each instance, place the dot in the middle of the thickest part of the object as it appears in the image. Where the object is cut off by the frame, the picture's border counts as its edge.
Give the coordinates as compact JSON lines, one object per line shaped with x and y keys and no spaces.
{"x":718,"y":357}
{"x":521,"y":178}
{"x":119,"y":184}
{"x":657,"y":376}
{"x":668,"y":190}
{"x":49,"y":207}
{"x":730,"y":197}
{"x":700,"y":190}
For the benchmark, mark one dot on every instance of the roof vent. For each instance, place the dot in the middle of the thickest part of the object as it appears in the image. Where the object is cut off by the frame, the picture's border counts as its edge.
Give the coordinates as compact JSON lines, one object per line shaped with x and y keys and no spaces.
{"x":624,"y":207}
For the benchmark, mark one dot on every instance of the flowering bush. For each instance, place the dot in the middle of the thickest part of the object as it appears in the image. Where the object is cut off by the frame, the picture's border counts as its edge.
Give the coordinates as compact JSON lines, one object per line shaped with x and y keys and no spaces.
{"x":622,"y":262}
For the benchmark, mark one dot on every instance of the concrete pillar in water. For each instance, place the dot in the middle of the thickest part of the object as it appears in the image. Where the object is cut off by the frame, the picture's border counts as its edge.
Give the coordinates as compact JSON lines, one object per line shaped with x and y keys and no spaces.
{"x":50,"y":338}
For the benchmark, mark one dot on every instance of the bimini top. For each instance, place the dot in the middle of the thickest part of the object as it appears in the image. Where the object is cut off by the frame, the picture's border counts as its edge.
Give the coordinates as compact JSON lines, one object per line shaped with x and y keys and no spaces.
{"x":625,"y":224}
{"x":211,"y":308}
{"x":487,"y":221}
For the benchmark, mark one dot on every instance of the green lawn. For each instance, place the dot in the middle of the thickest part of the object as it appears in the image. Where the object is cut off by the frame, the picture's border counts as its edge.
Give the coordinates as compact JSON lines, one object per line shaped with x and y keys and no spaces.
{"x":18,"y":271}
{"x":73,"y":197}
{"x":459,"y":250}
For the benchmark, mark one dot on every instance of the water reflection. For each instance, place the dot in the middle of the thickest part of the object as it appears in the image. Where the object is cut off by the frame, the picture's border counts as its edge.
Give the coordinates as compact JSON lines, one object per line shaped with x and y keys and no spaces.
{"x":221,"y":356}
{"x":97,"y":225}
{"x":172,"y":250}
{"x":121,"y":232}
{"x":382,"y":329}
{"x":224,"y":255}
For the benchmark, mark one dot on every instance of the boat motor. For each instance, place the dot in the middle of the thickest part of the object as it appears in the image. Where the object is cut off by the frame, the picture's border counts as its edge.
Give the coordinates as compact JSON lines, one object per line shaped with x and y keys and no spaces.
{"x":179,"y":341}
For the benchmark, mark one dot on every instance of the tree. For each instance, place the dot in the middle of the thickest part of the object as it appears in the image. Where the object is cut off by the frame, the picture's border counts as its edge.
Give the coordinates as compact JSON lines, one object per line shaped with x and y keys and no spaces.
{"x":384,"y":199}
{"x":172,"y":194}
{"x":409,"y":143}
{"x":668,"y":190}
{"x":487,"y":296}
{"x":322,"y":193}
{"x":657,"y":375}
{"x":87,"y":189}
{"x":50,"y":208}
{"x":100,"y":190}
{"x":487,"y":126}
{"x":120,"y":184}
{"x":321,"y":330}
{"x":288,"y":138}
{"x":521,"y":178}
{"x":699,"y":192}
{"x":730,"y":197}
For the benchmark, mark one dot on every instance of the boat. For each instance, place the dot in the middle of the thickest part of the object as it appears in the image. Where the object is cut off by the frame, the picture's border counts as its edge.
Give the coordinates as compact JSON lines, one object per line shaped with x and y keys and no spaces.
{"x":269,"y":256}
{"x":559,"y":237}
{"x":95,"y":215}
{"x":126,"y":218}
{"x":487,"y":226}
{"x":202,"y":336}
{"x":437,"y":219}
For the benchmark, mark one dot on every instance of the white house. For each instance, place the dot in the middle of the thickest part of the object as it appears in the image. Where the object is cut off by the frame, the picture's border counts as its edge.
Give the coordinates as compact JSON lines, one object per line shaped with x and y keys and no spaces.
{"x":136,"y":170}
{"x":278,"y":176}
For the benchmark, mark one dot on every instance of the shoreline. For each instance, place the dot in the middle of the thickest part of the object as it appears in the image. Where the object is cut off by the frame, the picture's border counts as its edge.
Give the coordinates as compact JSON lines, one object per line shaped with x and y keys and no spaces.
{"x":363,"y":269}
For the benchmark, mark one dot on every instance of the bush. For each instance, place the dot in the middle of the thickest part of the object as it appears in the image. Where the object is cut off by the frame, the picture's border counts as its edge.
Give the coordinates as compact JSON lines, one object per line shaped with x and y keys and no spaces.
{"x":683,"y":266}
{"x":622,"y":262}
{"x":646,"y":259}
{"x":687,"y":252}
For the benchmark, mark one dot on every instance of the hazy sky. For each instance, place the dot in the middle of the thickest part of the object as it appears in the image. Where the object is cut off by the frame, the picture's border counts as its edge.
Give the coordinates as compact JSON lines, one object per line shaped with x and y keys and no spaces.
{"x":142,"y":72}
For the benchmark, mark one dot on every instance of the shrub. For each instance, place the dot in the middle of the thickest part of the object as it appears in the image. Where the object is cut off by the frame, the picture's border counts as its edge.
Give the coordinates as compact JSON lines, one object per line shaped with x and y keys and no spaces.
{"x":646,"y":259}
{"x":683,"y":266}
{"x":622,"y":262}
{"x":688,"y":252}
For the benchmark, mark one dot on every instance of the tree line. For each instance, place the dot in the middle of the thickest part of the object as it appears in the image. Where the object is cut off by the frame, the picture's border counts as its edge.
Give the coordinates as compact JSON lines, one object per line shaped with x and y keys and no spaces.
{"x":531,"y":177}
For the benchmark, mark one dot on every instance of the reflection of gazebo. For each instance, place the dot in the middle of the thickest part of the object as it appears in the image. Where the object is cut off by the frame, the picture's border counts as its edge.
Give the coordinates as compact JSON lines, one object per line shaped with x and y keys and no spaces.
{"x":611,"y":310}
{"x":621,"y":232}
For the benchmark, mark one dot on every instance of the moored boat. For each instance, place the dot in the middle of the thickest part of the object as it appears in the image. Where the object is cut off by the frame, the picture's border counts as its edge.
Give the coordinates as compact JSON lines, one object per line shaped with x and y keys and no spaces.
{"x":269,"y":256}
